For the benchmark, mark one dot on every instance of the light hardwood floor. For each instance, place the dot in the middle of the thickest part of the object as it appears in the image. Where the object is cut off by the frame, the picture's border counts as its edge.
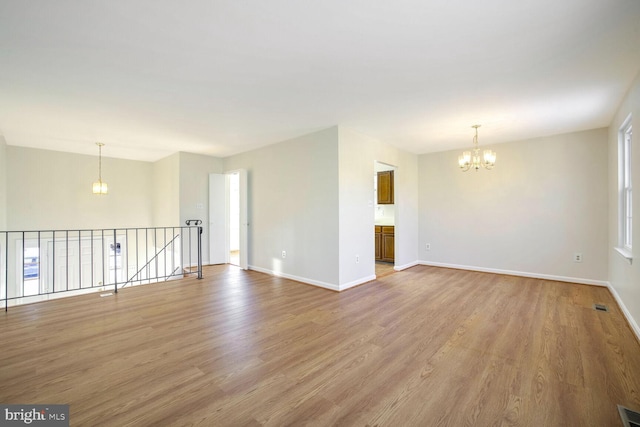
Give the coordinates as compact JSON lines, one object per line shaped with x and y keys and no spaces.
{"x":384,"y":269}
{"x":425,"y":346}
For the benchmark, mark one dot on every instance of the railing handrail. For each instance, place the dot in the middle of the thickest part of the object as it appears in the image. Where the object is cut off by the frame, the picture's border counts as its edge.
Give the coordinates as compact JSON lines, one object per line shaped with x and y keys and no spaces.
{"x":83,"y":260}
{"x":97,"y":229}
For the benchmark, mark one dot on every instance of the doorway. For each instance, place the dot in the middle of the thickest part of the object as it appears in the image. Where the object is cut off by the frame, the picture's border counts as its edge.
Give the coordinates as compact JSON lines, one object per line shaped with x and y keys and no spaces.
{"x":384,"y":218}
{"x":233,"y":213}
{"x":228,"y":226}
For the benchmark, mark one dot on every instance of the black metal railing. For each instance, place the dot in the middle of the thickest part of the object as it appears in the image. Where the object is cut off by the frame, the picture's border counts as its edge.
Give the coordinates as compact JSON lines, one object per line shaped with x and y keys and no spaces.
{"x":44,"y":264}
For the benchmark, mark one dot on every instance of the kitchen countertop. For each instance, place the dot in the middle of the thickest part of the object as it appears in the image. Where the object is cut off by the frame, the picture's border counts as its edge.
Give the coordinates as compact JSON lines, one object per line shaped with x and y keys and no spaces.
{"x":383,"y":223}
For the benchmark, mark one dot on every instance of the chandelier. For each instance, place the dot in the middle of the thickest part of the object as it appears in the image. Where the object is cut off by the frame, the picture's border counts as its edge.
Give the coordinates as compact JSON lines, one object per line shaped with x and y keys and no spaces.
{"x":100,"y":187}
{"x":473,"y":161}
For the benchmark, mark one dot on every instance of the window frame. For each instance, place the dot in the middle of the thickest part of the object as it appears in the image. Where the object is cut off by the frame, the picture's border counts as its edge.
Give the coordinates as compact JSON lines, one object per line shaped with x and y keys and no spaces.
{"x":625,"y":190}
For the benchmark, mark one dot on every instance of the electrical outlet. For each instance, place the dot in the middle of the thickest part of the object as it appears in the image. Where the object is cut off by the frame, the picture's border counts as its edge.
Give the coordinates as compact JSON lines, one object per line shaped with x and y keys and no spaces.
{"x":284,"y":254}
{"x":427,"y":247}
{"x":357,"y":259}
{"x":577,"y":257}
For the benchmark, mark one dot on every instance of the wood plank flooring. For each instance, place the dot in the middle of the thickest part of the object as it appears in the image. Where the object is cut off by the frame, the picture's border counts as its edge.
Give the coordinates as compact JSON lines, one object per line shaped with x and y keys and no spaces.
{"x":421,"y":347}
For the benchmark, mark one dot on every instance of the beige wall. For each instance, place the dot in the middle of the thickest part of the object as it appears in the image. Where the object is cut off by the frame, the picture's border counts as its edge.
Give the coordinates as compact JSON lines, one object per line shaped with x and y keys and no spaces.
{"x":3,"y":184}
{"x":52,"y":190}
{"x":293,"y":206}
{"x":545,"y":200}
{"x":166,"y":191}
{"x":624,"y":276}
{"x":193,"y":192}
{"x":357,"y":156}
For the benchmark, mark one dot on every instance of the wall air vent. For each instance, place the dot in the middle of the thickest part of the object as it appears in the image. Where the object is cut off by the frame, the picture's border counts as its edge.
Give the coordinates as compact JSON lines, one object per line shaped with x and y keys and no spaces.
{"x":629,"y":418}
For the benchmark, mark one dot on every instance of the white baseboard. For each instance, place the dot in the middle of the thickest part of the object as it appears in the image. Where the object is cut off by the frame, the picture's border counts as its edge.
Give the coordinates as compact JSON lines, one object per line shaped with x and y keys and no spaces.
{"x":405,"y":266}
{"x":623,"y":307}
{"x":632,"y":322}
{"x":357,"y":282}
{"x":518,"y":273}
{"x":296,"y":278}
{"x":318,"y":283}
{"x":616,"y":296}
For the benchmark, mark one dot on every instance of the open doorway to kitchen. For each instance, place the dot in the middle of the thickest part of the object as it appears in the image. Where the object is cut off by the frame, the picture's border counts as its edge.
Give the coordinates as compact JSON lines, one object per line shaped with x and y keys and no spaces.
{"x":384,"y":218}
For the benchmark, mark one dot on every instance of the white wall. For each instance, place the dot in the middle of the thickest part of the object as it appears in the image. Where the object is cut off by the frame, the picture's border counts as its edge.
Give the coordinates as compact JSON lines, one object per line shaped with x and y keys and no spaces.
{"x":357,"y":157}
{"x":52,"y":190}
{"x":194,"y":192}
{"x":3,"y":184}
{"x":624,"y":276}
{"x":293,"y":206}
{"x":545,"y":200}
{"x":166,"y":191}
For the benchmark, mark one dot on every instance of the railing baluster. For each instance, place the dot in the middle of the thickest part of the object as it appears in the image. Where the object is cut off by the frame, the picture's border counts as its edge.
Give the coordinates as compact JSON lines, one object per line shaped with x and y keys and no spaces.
{"x":155,"y":248}
{"x":39,"y":266}
{"x":115,"y":261}
{"x":79,"y":259}
{"x":44,"y":275}
{"x":22,"y":257}
{"x":66,"y":250}
{"x":104,"y":283}
{"x":6,"y":271}
{"x":53,"y":264}
{"x":182,"y":249}
{"x":137,"y":266}
{"x":92,"y":261}
{"x":173,"y":251}
{"x":199,"y":252}
{"x":125,"y":260}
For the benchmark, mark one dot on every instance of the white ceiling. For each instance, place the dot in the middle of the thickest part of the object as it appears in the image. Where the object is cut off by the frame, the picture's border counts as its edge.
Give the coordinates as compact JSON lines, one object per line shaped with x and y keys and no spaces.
{"x":149,"y":78}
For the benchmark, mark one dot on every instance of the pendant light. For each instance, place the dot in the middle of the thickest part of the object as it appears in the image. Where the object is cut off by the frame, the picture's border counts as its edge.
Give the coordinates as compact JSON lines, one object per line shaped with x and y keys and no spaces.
{"x":469,"y":160}
{"x":100,"y":187}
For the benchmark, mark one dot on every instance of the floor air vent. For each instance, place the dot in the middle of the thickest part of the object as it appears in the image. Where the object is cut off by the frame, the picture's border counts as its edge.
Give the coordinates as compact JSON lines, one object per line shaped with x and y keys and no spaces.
{"x":600,"y":307}
{"x":629,"y":418}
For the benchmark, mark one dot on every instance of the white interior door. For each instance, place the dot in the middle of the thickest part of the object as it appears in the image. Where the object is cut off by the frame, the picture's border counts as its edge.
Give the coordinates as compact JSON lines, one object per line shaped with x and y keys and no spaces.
{"x":218,"y":252}
{"x":244,"y":222}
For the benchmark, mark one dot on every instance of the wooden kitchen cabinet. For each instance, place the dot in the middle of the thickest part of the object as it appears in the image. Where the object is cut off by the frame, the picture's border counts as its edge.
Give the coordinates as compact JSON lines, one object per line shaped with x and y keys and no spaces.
{"x":385,"y":188}
{"x":385,"y":243}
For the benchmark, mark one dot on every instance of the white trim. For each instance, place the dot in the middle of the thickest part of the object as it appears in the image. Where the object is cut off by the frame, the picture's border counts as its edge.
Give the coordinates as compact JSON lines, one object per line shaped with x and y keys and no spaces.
{"x":624,"y":168}
{"x":357,"y":282}
{"x":519,"y":273}
{"x":632,"y":322}
{"x":296,"y":278}
{"x":626,"y":253}
{"x":331,"y":286}
{"x":405,"y":266}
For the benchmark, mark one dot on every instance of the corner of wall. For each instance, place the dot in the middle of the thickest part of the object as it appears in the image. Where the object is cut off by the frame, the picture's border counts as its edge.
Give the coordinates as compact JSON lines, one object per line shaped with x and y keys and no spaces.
{"x":624,"y":277}
{"x":3,"y":183}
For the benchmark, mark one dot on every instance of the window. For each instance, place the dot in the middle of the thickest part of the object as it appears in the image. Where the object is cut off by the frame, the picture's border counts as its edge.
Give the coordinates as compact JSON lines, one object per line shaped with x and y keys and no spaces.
{"x":31,"y":271}
{"x":625,"y":201}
